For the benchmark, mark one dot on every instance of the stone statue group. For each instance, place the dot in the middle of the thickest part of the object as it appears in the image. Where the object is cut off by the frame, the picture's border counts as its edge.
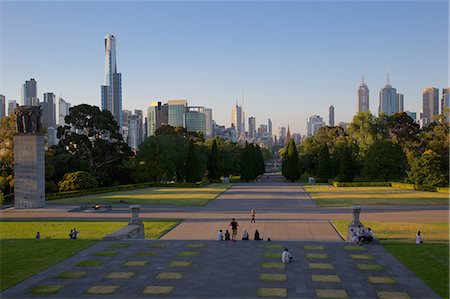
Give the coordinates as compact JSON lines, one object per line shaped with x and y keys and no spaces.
{"x":28,"y":119}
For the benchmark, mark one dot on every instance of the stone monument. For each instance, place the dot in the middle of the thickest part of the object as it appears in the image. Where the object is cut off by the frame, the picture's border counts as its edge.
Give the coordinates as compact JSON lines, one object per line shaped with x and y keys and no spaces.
{"x":355,"y":222}
{"x":29,"y":159}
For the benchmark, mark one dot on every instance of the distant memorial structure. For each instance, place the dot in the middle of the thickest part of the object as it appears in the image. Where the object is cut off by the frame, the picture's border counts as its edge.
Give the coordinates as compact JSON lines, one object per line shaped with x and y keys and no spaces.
{"x":29,"y":159}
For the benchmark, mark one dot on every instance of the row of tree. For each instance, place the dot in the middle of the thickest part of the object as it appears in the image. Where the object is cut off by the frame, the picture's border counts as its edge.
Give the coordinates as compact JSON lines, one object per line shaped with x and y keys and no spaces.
{"x":374,"y":148}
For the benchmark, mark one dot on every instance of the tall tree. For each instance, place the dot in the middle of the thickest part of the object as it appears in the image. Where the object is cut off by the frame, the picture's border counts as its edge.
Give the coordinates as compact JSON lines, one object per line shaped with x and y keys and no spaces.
{"x":7,"y":131}
{"x":324,"y":164}
{"x":366,"y":129}
{"x":430,"y":169}
{"x":346,"y":164}
{"x":213,"y":163}
{"x":247,"y":164}
{"x":291,"y":166}
{"x":194,"y":169}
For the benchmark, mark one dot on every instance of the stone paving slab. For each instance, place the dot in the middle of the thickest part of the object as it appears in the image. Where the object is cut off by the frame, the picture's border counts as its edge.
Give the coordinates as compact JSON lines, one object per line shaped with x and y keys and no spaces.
{"x":225,"y":269}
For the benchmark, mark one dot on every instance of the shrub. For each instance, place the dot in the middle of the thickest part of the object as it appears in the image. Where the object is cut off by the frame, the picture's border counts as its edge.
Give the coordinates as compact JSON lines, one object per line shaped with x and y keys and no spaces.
{"x":361,"y":184}
{"x":78,"y":180}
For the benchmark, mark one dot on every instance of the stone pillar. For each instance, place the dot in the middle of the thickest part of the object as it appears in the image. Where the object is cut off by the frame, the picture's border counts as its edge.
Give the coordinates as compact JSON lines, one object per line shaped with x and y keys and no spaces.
{"x":134,"y":209}
{"x":29,"y":171}
{"x":356,"y":212}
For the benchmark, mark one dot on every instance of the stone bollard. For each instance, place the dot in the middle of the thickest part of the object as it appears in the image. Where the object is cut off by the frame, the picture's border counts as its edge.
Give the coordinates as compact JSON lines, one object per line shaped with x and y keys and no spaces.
{"x":356,"y":212}
{"x":139,"y":233}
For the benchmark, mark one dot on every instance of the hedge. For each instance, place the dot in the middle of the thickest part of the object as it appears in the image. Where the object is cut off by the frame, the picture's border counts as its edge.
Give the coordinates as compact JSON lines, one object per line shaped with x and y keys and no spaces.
{"x":59,"y":195}
{"x":392,"y":184}
{"x":361,"y":184}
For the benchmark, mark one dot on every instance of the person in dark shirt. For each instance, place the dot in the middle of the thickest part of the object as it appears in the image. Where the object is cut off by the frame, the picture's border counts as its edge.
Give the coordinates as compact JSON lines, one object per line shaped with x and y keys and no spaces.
{"x":234,"y":226}
{"x":257,"y":238}
{"x":227,"y":235}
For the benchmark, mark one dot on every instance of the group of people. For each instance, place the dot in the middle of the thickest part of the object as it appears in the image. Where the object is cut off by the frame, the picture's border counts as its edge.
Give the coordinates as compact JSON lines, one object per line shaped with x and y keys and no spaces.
{"x":234,"y":226}
{"x":73,"y":234}
{"x":362,"y":235}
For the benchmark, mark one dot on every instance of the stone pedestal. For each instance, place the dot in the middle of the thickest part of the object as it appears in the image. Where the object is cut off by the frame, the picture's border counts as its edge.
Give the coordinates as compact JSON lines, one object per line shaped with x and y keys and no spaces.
{"x":29,"y":171}
{"x":354,"y":224}
{"x":139,"y":231}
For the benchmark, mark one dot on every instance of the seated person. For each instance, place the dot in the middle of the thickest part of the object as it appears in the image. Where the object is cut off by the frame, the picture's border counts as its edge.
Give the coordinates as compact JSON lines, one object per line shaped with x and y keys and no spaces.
{"x":245,"y":235}
{"x":97,"y":206}
{"x":257,"y":238}
{"x":418,"y":238}
{"x":354,"y":236}
{"x":220,"y":235}
{"x":286,"y":257}
{"x":368,"y":237}
{"x":227,"y":235}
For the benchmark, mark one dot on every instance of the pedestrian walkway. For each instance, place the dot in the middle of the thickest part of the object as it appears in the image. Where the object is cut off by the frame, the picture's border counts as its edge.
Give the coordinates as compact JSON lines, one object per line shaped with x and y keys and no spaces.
{"x":224,"y":269}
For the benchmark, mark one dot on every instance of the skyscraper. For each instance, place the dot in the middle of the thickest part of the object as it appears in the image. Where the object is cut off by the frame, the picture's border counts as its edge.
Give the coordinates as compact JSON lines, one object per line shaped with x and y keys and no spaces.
{"x":269,"y":126}
{"x":111,"y":92}
{"x":362,"y":97}
{"x":331,"y":116}
{"x":252,"y":128}
{"x":313,"y":123}
{"x":238,"y":121}
{"x":12,"y":107}
{"x":195,"y":119}
{"x":281,"y":135}
{"x":209,"y":122}
{"x":2,"y":106}
{"x":400,"y":102}
{"x":430,"y":105}
{"x":157,"y":116}
{"x":388,"y":99}
{"x":63,"y":110}
{"x":445,"y":102}
{"x":29,"y":93}
{"x":48,"y":107}
{"x":176,"y":112}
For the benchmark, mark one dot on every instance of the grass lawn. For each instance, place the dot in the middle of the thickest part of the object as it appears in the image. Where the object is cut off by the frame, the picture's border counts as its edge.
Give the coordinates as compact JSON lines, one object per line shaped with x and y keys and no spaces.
{"x":327,"y":195}
{"x":429,"y":261}
{"x":167,"y":196}
{"x":22,"y":256}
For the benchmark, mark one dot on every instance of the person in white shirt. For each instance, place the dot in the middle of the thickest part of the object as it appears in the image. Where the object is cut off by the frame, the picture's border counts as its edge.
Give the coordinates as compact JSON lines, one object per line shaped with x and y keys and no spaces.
{"x":286,"y":257}
{"x":419,"y":238}
{"x":220,"y":235}
{"x":245,"y":235}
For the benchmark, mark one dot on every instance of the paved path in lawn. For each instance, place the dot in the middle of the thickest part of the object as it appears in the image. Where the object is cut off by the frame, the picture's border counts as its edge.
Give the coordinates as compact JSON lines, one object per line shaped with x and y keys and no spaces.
{"x":226,"y":269}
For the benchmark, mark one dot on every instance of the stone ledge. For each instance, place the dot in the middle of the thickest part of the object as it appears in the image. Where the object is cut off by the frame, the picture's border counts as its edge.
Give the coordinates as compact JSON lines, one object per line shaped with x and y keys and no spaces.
{"x":128,"y":232}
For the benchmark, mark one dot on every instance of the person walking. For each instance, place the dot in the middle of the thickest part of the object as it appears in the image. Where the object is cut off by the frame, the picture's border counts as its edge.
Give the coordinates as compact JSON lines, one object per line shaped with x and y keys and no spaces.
{"x":252,"y":214}
{"x":419,"y":238}
{"x":234,"y":226}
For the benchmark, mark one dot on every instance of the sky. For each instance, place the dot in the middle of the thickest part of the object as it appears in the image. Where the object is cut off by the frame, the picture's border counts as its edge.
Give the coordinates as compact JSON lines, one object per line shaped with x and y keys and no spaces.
{"x":292,"y":59}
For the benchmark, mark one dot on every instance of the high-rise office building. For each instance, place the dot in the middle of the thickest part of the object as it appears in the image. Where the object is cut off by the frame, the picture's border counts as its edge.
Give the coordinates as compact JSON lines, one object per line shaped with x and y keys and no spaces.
{"x":445,"y":103}
{"x":362,"y":97}
{"x":140,"y":132}
{"x":157,"y":116}
{"x":133,"y":131}
{"x":29,"y":93}
{"x":413,"y":115}
{"x":252,"y":128}
{"x":176,"y":112}
{"x":48,"y":107}
{"x":209,"y":122}
{"x":331,"y":116}
{"x":2,"y":106}
{"x":12,"y":107}
{"x":400,"y":102}
{"x":388,"y":99}
{"x":63,"y":110}
{"x":125,"y":117}
{"x":195,"y":119}
{"x":313,"y":123}
{"x":238,"y":121}
{"x":430,"y":105}
{"x":111,"y":92}
{"x":281,"y":135}
{"x":269,"y":126}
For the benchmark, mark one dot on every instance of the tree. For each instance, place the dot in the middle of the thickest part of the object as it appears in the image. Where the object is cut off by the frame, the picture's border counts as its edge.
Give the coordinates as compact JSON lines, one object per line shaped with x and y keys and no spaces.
{"x":92,"y":137}
{"x":430,"y":169}
{"x":247,"y":163}
{"x":213,"y":163}
{"x":7,"y":132}
{"x":346,"y":164}
{"x":385,"y":161}
{"x":404,"y":131}
{"x":259,"y":161}
{"x":78,"y":180}
{"x":291,"y":166}
{"x":194,"y":170}
{"x":366,"y":129}
{"x":324,"y":170}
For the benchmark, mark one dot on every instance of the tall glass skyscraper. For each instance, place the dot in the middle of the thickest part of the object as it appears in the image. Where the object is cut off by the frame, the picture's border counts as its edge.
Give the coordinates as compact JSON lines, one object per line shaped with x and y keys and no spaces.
{"x":111,"y":92}
{"x":430,"y":105}
{"x":29,"y":93}
{"x":388,"y":99}
{"x":362,"y":97}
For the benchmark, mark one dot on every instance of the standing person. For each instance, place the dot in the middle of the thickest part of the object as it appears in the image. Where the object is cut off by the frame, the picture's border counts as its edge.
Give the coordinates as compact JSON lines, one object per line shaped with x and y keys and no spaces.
{"x":74,"y":233}
{"x":418,"y":238}
{"x":234,"y":226}
{"x":252,"y":213}
{"x":38,"y":235}
{"x":286,"y":257}
{"x":71,"y":234}
{"x":220,"y":235}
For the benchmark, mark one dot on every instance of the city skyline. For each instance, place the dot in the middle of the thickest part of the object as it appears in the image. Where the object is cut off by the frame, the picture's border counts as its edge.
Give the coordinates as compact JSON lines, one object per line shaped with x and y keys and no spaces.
{"x":290,"y":69}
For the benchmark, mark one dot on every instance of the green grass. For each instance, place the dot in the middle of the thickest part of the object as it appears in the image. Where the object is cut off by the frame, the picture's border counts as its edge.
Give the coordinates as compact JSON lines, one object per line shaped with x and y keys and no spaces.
{"x":90,"y":263}
{"x":189,"y":253}
{"x":195,"y":245}
{"x":272,"y":292}
{"x":158,"y":290}
{"x":70,"y":274}
{"x":326,"y":195}
{"x":147,"y":253}
{"x":316,"y":255}
{"x":314,"y":247}
{"x":370,"y":267}
{"x":46,"y":289}
{"x":272,"y":265}
{"x":272,"y":277}
{"x":359,"y":256}
{"x":430,"y":231}
{"x":180,"y":264}
{"x":273,"y":246}
{"x":119,"y":245}
{"x":429,"y":261}
{"x":21,"y":259}
{"x":158,"y":195}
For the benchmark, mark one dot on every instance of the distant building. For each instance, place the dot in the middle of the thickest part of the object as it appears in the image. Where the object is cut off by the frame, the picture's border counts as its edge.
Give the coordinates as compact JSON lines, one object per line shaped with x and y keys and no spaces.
{"x":331,"y":116}
{"x":430,"y":105}
{"x":209,"y":123}
{"x":195,"y":119}
{"x":125,"y":117}
{"x":281,"y":136}
{"x":313,"y":124}
{"x":111,"y":92}
{"x":238,"y":121}
{"x":388,"y":99}
{"x":157,"y":116}
{"x":52,"y":138}
{"x":12,"y":107}
{"x":400,"y":102}
{"x":29,"y":93}
{"x":413,"y":115}
{"x":2,"y":106}
{"x":133,"y":131}
{"x":362,"y":97}
{"x":48,"y":107}
{"x":445,"y":103}
{"x":262,"y":130}
{"x":63,"y":110}
{"x":297,"y":138}
{"x":269,"y":126}
{"x":343,"y":125}
{"x":176,"y":112}
{"x":252,"y":128}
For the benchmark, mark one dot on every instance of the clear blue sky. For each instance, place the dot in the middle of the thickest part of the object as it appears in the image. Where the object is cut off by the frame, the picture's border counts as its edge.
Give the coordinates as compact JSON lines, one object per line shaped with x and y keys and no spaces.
{"x":294,"y":58}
